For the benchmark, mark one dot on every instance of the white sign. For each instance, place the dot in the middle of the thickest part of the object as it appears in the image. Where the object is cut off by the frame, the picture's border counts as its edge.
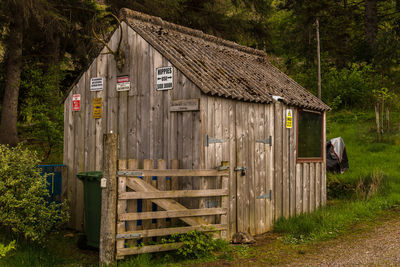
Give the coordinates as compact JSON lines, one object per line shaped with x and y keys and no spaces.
{"x":165,"y":78}
{"x":123,"y":83}
{"x":96,"y":84}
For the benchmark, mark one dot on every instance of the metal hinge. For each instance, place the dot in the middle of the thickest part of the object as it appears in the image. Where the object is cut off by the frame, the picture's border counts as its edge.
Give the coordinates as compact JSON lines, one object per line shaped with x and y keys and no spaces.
{"x":266,"y":141}
{"x":210,"y":140}
{"x":267,"y":195}
{"x":127,"y":236}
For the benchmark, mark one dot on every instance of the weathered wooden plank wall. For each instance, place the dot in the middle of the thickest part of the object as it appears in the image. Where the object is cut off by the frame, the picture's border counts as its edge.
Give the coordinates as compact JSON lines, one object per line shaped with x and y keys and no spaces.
{"x":140,"y":116}
{"x":299,"y":186}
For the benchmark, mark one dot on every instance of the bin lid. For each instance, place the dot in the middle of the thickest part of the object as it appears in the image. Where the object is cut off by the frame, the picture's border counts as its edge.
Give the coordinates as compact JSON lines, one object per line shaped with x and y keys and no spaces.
{"x":96,"y":175}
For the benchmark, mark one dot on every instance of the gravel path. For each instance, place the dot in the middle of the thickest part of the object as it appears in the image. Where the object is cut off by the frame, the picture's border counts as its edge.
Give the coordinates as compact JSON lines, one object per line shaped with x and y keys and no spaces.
{"x":373,"y":244}
{"x":379,"y":246}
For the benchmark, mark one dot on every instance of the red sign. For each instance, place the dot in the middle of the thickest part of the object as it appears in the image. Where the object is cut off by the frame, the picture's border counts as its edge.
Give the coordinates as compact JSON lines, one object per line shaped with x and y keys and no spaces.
{"x":76,"y":102}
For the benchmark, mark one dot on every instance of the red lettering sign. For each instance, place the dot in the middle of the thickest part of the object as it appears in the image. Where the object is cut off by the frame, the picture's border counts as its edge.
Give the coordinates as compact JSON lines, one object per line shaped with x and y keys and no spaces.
{"x":76,"y":102}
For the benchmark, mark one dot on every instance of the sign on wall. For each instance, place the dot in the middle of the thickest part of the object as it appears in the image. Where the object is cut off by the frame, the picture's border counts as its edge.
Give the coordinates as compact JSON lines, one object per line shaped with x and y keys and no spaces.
{"x":76,"y":102}
{"x":96,"y":84}
{"x":165,"y":78}
{"x":289,"y":118}
{"x":123,"y":83}
{"x":97,"y":108}
{"x":185,"y":105}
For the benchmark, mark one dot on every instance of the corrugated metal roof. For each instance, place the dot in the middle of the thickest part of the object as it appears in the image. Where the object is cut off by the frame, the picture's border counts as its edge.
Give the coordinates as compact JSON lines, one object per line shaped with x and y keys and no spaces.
{"x":220,"y":67}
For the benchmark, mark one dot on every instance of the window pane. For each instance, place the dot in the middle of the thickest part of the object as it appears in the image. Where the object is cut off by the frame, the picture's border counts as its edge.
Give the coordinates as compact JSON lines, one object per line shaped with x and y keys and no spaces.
{"x":310,"y":135}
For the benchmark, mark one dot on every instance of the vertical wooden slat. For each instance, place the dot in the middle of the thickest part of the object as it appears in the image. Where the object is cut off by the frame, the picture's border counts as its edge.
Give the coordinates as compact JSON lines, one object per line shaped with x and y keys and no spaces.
{"x":246,"y":178}
{"x":317,"y":185}
{"x":251,"y":179}
{"x":218,"y":133}
{"x":278,"y":161}
{"x":270,"y":206}
{"x":232,"y":162}
{"x":174,"y":183}
{"x":133,"y":118}
{"x":203,"y":154}
{"x":239,"y":162}
{"x":292,"y":165}
{"x":121,"y":204}
{"x":312,"y":187}
{"x":306,"y":187}
{"x":285,"y":166}
{"x":143,"y":102}
{"x":151,"y":109}
{"x":132,"y":204}
{"x":112,"y":96}
{"x":166,"y":118}
{"x":260,"y":169}
{"x":161,"y":185}
{"x":100,"y":124}
{"x":299,"y":190}
{"x":210,"y":151}
{"x":224,"y":201}
{"x":147,"y":206}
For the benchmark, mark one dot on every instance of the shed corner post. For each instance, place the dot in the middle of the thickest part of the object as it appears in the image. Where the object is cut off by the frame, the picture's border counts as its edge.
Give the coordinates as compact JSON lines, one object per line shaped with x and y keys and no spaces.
{"x":109,"y":201}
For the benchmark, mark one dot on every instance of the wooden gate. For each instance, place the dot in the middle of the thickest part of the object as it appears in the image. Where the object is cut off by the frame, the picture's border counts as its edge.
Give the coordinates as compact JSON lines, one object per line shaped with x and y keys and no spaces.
{"x":146,"y":205}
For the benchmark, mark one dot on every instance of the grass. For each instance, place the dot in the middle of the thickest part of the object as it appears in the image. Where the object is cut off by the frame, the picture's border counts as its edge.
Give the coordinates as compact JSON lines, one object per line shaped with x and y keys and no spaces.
{"x":60,"y":250}
{"x":372,"y":164}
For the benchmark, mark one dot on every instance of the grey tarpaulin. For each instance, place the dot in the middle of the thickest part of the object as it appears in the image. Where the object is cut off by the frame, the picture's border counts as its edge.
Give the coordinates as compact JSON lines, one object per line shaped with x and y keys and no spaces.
{"x":336,"y":156}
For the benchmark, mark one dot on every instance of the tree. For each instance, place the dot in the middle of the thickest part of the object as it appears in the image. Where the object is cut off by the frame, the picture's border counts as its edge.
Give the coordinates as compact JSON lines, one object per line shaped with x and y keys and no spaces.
{"x":40,"y":30}
{"x":8,"y":127}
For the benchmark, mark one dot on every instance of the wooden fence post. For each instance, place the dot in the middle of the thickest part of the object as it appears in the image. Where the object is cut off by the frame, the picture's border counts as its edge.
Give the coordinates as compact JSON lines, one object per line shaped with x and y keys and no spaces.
{"x":225,"y":202}
{"x":109,"y":200}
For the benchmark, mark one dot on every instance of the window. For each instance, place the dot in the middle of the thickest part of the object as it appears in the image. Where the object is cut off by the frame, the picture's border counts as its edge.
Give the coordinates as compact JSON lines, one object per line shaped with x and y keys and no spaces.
{"x":309,"y":136}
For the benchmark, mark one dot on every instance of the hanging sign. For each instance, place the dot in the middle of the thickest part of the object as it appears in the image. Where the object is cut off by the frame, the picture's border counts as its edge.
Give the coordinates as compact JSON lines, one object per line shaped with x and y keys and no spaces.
{"x":76,"y":102}
{"x":123,"y":83}
{"x":165,"y":78}
{"x":97,"y":108}
{"x":96,"y":84}
{"x":289,"y":118}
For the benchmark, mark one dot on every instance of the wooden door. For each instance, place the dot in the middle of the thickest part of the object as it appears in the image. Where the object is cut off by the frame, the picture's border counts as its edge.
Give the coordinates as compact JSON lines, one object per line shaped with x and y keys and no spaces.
{"x":253,"y":170}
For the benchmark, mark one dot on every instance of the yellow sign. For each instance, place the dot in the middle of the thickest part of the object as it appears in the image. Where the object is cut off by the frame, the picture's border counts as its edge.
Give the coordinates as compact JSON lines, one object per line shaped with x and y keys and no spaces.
{"x":289,"y":118}
{"x":97,"y":108}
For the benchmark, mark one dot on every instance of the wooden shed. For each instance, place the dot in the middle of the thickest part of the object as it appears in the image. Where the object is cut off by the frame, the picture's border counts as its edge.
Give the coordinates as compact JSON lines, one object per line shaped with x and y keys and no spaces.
{"x":182,"y":94}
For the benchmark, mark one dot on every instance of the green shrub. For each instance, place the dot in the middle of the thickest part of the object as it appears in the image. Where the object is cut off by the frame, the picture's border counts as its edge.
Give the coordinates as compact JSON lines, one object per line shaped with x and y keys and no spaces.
{"x":197,"y":244}
{"x":4,"y":250}
{"x":24,"y":210}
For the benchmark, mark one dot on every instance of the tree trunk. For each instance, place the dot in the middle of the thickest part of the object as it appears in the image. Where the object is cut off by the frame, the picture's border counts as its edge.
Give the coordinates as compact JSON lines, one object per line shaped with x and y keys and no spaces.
{"x":371,"y":24}
{"x":377,"y":122}
{"x":9,"y":113}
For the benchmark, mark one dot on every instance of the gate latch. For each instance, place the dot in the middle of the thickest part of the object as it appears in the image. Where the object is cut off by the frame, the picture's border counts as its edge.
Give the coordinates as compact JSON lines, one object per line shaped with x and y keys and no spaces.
{"x":242,"y":170}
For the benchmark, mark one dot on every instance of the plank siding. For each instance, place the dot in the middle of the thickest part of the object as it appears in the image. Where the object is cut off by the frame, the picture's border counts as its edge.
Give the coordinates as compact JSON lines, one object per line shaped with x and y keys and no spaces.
{"x":148,"y":129}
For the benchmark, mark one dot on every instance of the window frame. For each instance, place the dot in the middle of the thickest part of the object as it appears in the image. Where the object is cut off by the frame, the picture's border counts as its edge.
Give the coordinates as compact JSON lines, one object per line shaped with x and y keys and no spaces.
{"x":311,"y":159}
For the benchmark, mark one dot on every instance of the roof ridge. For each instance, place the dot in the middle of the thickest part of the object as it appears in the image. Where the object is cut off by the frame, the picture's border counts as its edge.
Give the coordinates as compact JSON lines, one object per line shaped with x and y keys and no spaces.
{"x":126,"y":13}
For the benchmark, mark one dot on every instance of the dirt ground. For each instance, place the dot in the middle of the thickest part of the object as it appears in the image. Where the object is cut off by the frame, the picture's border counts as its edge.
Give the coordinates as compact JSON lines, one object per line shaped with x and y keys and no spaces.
{"x":372,"y":244}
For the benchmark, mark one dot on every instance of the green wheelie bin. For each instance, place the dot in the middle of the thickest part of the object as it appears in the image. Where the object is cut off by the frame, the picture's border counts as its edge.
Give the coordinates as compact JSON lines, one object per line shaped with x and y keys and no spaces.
{"x":92,"y":198}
